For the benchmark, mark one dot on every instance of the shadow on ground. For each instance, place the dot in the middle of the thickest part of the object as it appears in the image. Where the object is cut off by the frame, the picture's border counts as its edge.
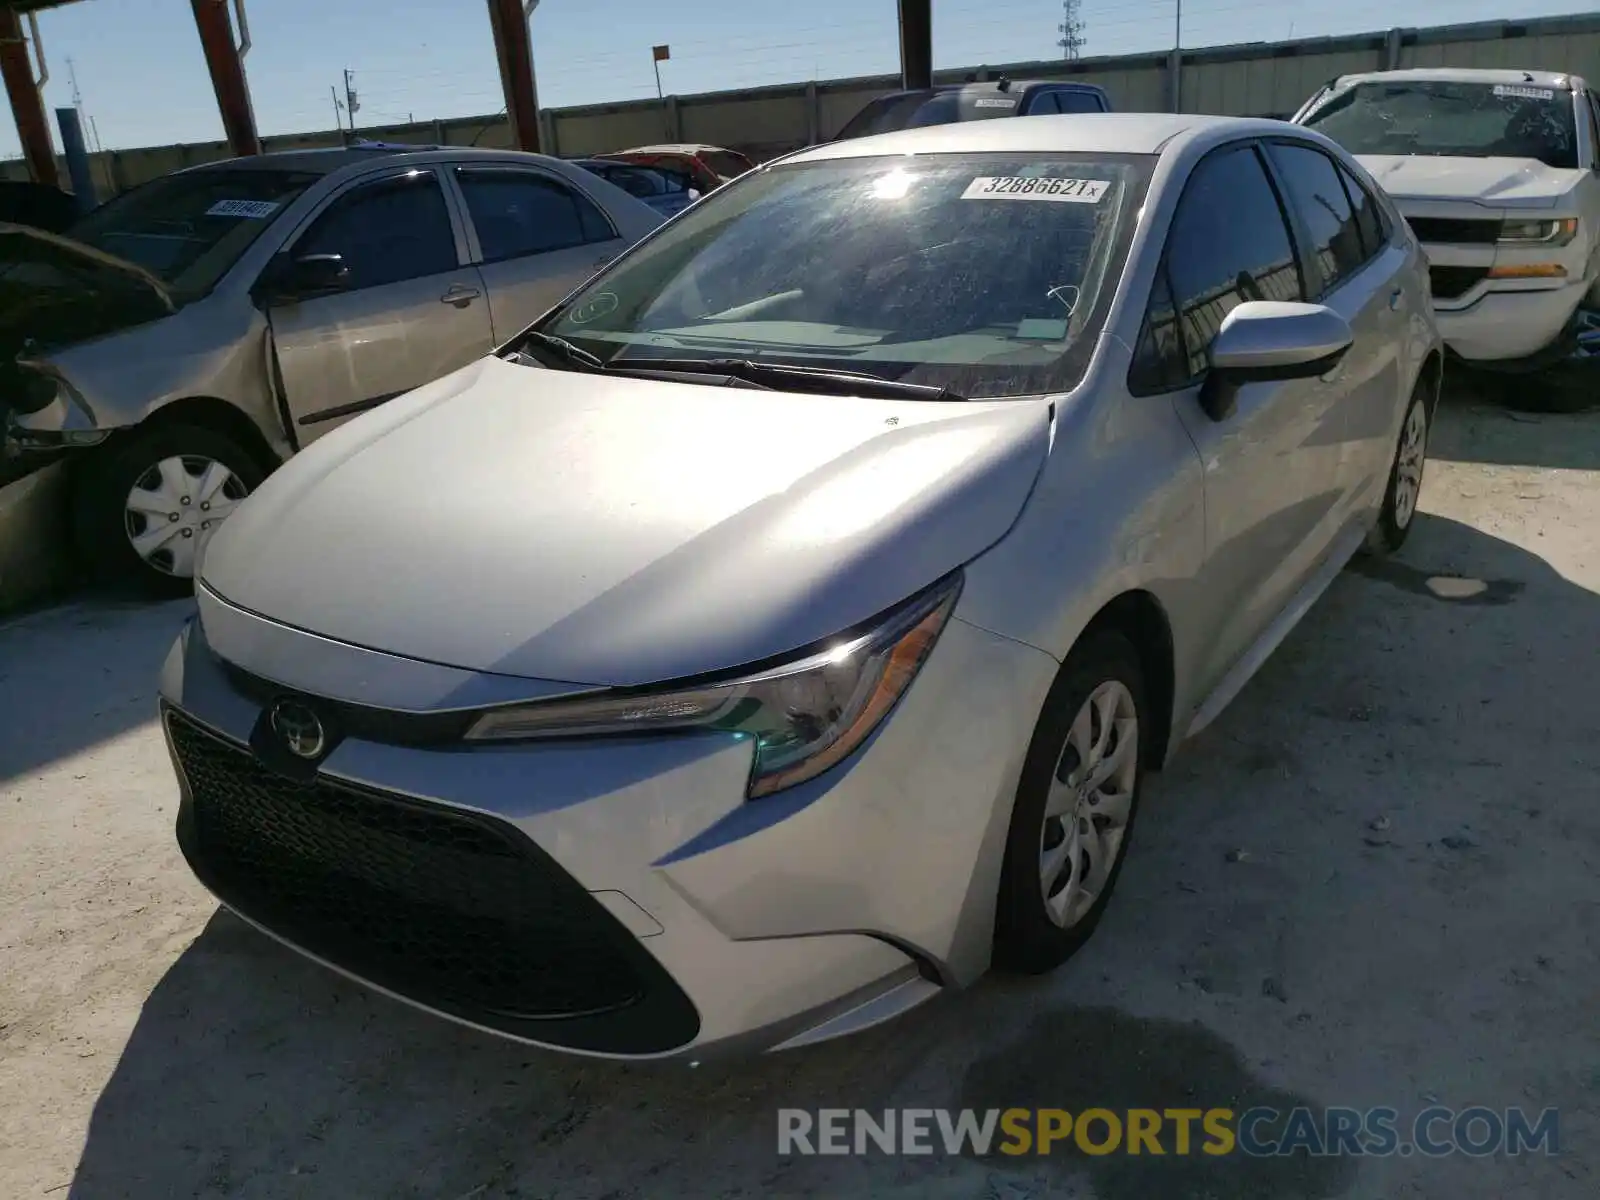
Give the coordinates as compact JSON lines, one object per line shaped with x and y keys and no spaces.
{"x":80,"y":674}
{"x":1481,"y":427}
{"x":1219,"y":976}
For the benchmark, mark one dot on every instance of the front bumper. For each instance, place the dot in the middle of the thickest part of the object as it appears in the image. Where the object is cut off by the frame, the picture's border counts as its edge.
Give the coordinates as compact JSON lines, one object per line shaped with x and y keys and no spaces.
{"x":1505,"y":327}
{"x":617,"y":898}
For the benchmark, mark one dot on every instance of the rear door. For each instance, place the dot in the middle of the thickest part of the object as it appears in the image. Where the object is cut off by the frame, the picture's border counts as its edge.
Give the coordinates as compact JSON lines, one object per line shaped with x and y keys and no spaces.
{"x":535,"y":238}
{"x":1271,"y":467}
{"x":412,"y":309}
{"x":1363,"y":282}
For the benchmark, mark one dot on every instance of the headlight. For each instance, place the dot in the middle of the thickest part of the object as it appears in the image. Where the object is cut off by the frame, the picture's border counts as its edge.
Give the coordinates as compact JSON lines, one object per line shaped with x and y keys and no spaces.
{"x":1543,"y":233}
{"x":803,"y":717}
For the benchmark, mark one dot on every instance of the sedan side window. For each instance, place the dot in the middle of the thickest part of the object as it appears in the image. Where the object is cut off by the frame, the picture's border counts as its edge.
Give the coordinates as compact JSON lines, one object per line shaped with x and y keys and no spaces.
{"x":1319,"y":198}
{"x":387,"y":232}
{"x":1079,"y":102}
{"x":1229,"y":243}
{"x":518,"y":213}
{"x":1368,"y":221}
{"x":1044,"y":102}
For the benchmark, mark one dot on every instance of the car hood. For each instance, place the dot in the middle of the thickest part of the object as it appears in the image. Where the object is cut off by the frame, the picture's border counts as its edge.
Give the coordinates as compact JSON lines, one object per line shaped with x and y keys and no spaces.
{"x":57,"y":292}
{"x":619,"y":531}
{"x":1494,"y":182}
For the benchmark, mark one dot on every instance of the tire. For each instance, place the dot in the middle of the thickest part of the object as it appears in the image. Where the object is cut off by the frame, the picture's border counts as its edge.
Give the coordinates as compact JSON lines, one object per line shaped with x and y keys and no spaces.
{"x":1032,"y":934}
{"x":1399,"y":511}
{"x":169,"y":464}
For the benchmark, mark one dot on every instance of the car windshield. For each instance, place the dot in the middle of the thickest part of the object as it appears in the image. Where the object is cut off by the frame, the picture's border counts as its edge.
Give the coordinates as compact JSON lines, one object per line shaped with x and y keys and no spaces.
{"x":988,"y":275}
{"x":912,"y":110}
{"x":1466,"y":120}
{"x":187,"y":229}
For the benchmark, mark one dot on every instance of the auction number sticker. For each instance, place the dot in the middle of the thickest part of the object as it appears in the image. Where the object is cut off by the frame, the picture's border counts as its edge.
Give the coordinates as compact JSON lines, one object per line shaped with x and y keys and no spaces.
{"x":1019,"y":187}
{"x":994,"y":102}
{"x":1525,"y":93}
{"x":254,"y":210}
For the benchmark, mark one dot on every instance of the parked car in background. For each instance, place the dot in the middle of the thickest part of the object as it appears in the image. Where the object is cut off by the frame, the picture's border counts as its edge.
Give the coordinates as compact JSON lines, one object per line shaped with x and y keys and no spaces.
{"x":709,"y":167}
{"x":1498,"y":172}
{"x":950,"y":104}
{"x":664,"y":189}
{"x":775,"y":635}
{"x":188,"y":336}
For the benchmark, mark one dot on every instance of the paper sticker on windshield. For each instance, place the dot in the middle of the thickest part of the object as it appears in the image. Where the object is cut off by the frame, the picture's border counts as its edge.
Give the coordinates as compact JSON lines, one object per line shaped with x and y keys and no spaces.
{"x":254,"y":210}
{"x":994,"y":102}
{"x":1018,"y":187}
{"x":1525,"y":93}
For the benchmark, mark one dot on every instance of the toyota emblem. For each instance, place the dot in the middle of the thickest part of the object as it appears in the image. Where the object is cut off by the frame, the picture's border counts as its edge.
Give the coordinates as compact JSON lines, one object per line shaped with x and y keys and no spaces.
{"x":300,"y":729}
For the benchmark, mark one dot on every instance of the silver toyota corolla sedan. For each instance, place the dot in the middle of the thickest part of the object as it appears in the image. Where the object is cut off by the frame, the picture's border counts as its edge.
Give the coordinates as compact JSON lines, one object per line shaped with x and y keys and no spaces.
{"x":777,"y":633}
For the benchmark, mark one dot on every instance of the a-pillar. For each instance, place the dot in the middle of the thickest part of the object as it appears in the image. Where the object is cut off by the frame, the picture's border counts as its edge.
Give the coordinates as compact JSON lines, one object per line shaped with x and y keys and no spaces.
{"x":27,"y":105}
{"x":512,"y":47}
{"x":916,"y":44}
{"x":227,"y":75}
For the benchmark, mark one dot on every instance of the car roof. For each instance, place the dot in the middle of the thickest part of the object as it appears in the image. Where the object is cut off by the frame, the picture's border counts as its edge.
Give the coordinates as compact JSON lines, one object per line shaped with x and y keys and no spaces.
{"x":335,"y":158}
{"x":980,"y":87}
{"x":1546,"y":79}
{"x":681,"y":148}
{"x":1102,"y":133}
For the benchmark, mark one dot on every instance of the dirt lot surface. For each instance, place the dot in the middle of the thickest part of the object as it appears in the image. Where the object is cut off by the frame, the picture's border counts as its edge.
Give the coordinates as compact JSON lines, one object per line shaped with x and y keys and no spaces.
{"x":1371,"y":882}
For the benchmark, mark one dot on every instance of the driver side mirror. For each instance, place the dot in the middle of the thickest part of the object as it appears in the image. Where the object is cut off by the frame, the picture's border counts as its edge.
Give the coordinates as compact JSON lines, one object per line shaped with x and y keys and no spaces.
{"x":1269,"y":340}
{"x":307,"y":277}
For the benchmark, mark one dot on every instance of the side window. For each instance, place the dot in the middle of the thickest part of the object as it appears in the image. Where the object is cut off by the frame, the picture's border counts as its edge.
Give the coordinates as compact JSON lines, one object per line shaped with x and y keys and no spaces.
{"x":1044,"y":102}
{"x":1079,"y":102}
{"x":517,"y":213}
{"x":1228,"y":244}
{"x":1318,"y":196}
{"x":1159,"y":364}
{"x":1594,"y":129}
{"x":1368,"y":221}
{"x":637,"y":181}
{"x":387,"y":232}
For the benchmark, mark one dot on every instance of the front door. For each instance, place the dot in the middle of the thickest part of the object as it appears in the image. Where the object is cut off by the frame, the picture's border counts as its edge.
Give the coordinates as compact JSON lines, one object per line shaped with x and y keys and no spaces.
{"x":409,"y":313}
{"x":538,"y":239}
{"x":1271,"y":466}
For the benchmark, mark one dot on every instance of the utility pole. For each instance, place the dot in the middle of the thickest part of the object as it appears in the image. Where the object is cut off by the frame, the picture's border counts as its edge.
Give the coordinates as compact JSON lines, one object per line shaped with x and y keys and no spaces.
{"x":351,"y":104}
{"x":1177,"y":58}
{"x":338,"y":110}
{"x":1072,"y":40}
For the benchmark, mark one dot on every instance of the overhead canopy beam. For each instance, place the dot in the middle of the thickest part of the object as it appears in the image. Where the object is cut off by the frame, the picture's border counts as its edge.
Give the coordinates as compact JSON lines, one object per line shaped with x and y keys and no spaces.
{"x":225,"y":61}
{"x":509,"y":20}
{"x":916,"y":44}
{"x":27,"y":105}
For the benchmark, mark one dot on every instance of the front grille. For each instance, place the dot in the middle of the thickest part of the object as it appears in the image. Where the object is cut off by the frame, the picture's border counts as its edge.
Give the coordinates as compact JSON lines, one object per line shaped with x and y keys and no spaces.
{"x":1456,"y":231}
{"x":1450,"y":283}
{"x":457,"y":911}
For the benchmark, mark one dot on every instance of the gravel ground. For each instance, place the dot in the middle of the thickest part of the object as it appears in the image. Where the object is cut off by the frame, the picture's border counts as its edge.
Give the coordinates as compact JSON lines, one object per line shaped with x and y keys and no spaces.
{"x":1372,"y":881}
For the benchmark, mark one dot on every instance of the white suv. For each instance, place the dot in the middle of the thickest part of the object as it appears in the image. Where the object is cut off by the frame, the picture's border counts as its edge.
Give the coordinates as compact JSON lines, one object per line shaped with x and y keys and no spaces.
{"x":1498,"y":173}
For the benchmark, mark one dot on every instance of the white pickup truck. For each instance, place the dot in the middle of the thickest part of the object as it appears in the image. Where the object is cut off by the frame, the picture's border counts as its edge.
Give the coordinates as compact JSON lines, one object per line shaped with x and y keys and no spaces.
{"x":1498,"y":173}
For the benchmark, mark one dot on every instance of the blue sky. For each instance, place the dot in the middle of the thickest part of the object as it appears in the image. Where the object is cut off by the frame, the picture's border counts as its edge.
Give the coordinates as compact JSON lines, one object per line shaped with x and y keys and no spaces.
{"x":143,"y":80}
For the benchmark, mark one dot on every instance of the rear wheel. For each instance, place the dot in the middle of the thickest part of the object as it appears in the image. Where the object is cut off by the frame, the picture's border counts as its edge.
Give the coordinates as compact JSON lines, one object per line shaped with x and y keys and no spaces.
{"x":1405,"y":479}
{"x":1075,"y":807}
{"x":144,"y":509}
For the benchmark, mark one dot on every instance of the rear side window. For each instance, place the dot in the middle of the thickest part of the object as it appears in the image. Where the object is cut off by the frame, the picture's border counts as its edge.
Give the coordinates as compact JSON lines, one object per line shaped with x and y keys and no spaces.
{"x":726,"y":163}
{"x":1228,"y":244}
{"x":1079,"y":102}
{"x":517,"y":213}
{"x":1319,"y":198}
{"x":1044,"y":103}
{"x":1368,"y":220}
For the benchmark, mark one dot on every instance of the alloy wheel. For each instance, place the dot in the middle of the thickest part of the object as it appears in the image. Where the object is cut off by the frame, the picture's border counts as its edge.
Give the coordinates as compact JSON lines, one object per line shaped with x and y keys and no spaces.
{"x":1409,"y":463}
{"x":1090,"y":803}
{"x":174,"y":507}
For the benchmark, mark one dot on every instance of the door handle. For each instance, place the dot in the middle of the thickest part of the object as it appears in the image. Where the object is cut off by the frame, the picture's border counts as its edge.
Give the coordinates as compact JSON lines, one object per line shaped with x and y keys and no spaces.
{"x":1394,"y":299}
{"x":460,"y":295}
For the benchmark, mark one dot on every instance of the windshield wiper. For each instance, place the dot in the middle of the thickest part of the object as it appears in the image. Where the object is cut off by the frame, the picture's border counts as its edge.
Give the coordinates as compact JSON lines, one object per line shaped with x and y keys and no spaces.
{"x":569,"y":355}
{"x":798,"y":378}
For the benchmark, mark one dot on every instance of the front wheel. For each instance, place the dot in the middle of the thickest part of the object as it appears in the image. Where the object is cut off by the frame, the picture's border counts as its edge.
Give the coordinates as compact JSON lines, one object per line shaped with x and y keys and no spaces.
{"x":143,"y":510}
{"x":1075,"y":806}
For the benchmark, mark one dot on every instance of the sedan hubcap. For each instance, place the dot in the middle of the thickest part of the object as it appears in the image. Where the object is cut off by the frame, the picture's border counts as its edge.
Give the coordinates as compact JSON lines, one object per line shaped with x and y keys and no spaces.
{"x":1408,"y":465}
{"x":175,"y":507}
{"x":1091,"y":798}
